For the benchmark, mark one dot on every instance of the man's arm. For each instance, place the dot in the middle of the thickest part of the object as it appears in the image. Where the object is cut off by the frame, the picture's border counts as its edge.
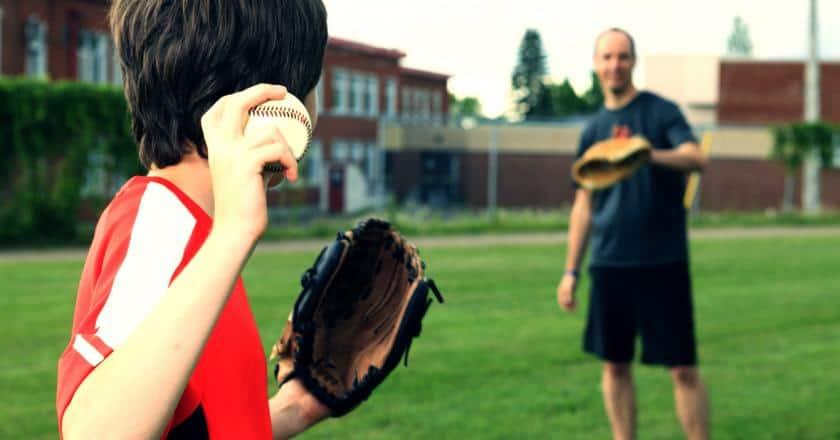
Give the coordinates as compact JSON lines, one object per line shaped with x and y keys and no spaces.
{"x":686,"y":157}
{"x":578,"y":236}
{"x":115,"y":402}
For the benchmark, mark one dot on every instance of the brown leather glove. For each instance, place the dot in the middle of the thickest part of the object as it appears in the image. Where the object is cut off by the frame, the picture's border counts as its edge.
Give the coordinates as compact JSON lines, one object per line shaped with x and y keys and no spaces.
{"x":610,"y":161}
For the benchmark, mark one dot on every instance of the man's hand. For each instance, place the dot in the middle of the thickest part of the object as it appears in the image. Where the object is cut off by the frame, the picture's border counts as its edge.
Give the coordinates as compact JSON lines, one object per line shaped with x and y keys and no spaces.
{"x":236,"y":161}
{"x":566,"y":293}
{"x":686,"y":157}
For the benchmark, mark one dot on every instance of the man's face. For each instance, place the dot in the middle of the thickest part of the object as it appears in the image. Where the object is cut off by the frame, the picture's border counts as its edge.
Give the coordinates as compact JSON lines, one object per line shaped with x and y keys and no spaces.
{"x":614,"y":62}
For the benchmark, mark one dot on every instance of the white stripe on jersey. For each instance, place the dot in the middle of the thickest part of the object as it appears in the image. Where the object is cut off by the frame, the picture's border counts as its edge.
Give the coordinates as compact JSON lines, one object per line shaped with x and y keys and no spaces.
{"x":158,"y":239}
{"x":87,"y":350}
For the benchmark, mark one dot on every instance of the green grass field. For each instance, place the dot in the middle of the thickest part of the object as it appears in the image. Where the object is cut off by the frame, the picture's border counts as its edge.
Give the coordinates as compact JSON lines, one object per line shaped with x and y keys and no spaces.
{"x":499,"y":360}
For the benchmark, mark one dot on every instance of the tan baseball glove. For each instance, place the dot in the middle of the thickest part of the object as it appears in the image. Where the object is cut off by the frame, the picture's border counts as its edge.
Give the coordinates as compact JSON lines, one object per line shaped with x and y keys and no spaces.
{"x":610,"y":161}
{"x":361,"y":306}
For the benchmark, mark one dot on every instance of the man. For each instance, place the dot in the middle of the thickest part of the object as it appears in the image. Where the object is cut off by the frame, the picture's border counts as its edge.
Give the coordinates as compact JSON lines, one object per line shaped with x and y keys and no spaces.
{"x":639,"y":263}
{"x":164,"y":343}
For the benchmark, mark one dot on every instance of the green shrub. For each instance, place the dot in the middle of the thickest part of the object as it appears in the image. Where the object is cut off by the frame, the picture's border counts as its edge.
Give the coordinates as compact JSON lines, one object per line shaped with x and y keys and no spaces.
{"x":49,"y":132}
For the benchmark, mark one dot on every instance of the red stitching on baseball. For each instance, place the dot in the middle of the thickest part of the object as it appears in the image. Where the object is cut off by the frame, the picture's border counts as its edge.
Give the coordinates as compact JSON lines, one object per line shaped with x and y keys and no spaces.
{"x":271,"y":111}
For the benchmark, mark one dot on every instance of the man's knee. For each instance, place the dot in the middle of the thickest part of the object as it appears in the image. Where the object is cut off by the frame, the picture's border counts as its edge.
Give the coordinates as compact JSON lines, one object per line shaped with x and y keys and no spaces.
{"x":685,"y":376}
{"x":617,"y":371}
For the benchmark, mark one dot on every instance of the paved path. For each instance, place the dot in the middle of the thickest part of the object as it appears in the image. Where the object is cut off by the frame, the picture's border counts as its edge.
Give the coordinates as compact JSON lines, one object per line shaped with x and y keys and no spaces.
{"x":458,"y":241}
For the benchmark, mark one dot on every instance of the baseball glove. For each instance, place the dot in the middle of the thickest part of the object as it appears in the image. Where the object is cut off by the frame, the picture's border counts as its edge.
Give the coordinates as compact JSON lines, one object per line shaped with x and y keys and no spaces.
{"x":361,"y":305}
{"x":610,"y":161}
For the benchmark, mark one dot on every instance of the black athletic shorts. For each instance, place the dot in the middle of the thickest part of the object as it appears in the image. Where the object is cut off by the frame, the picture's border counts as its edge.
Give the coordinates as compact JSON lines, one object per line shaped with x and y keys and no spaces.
{"x":654,"y":302}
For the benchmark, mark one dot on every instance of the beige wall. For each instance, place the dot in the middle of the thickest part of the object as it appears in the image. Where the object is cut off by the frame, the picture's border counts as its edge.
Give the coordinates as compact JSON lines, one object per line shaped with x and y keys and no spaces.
{"x":689,"y":80}
{"x":728,"y":142}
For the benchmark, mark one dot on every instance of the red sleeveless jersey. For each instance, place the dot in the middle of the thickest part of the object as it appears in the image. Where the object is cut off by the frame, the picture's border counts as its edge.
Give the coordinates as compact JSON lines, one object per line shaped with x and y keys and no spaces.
{"x":144,"y":238}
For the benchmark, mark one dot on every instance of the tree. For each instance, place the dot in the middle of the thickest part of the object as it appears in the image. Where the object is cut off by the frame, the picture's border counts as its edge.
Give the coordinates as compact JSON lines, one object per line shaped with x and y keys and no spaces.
{"x":564,"y":99}
{"x":739,"y":43}
{"x":466,"y":107}
{"x":528,"y":76}
{"x":792,"y":143}
{"x":594,"y":97}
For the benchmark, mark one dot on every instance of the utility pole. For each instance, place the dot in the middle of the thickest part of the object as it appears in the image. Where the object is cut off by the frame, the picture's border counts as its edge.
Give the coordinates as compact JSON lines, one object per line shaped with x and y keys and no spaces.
{"x":811,"y":167}
{"x":493,"y":170}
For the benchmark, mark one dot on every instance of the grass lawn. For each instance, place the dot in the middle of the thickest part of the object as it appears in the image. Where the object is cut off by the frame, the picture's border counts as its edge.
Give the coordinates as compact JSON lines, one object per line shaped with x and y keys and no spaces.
{"x":499,"y":360}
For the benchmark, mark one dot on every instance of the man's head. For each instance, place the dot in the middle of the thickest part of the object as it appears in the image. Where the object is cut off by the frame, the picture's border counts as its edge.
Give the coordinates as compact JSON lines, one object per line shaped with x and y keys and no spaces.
{"x":180,"y":56}
{"x":615,"y":58}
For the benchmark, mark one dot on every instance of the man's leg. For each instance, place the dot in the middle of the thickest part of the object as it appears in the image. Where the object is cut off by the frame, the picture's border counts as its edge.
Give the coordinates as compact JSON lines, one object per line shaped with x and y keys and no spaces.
{"x":620,"y":399}
{"x":692,"y":402}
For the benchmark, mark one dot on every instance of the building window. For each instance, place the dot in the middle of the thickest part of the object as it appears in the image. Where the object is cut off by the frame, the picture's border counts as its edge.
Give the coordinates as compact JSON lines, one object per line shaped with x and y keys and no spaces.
{"x":35,"y":33}
{"x":92,"y":55}
{"x":426,"y":105}
{"x":341,"y":90}
{"x":836,"y":158}
{"x":373,"y":93}
{"x":116,"y":67}
{"x":340,"y":151}
{"x":319,"y":94}
{"x":313,"y":163}
{"x":406,"y":102}
{"x":437,"y":106}
{"x":358,"y":100}
{"x":391,"y":97}
{"x":1,"y":40}
{"x":358,"y":152}
{"x":372,"y":163}
{"x":420,"y":104}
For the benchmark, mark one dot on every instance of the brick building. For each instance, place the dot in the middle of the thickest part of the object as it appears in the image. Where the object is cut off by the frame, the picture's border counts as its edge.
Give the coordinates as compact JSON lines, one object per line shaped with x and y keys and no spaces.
{"x":361,"y":86}
{"x":768,"y":92}
{"x":66,"y":39}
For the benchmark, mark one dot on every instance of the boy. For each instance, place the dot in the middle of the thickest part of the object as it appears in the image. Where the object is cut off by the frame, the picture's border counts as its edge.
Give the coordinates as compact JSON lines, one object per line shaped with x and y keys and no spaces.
{"x":164,"y":343}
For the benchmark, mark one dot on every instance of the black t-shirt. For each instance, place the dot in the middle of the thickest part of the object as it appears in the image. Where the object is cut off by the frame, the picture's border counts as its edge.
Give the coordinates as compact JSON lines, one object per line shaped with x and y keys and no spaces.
{"x":641,"y":220}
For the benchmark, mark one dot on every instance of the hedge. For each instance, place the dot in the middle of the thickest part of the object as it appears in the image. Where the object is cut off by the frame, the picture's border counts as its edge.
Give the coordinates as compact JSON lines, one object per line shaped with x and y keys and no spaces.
{"x":49,"y":132}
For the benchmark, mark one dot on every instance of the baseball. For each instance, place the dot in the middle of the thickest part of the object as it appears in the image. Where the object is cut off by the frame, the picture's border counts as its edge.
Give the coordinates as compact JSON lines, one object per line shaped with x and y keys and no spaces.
{"x":291,"y":117}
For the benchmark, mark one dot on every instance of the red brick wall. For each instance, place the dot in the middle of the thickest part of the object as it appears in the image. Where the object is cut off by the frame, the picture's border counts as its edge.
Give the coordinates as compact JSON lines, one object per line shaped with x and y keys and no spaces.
{"x":405,"y":173}
{"x":525,"y":180}
{"x":64,"y":20}
{"x":435,"y":85}
{"x":350,"y":128}
{"x":741,"y":185}
{"x":382,"y":67}
{"x":542,"y":181}
{"x":773,"y":92}
{"x":830,"y":189}
{"x":830,"y":92}
{"x":474,"y":179}
{"x":751,"y":184}
{"x":760,"y":92}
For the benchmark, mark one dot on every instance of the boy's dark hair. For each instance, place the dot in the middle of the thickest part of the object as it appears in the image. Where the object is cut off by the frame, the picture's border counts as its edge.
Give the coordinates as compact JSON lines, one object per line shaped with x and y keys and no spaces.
{"x":179,"y":57}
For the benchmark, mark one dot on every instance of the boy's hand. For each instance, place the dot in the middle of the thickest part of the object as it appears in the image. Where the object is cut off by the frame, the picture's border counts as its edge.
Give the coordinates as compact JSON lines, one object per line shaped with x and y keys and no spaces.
{"x":236,"y":161}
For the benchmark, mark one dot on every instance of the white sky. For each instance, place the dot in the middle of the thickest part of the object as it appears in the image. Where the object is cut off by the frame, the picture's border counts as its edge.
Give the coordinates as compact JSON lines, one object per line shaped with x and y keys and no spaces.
{"x":476,"y":41}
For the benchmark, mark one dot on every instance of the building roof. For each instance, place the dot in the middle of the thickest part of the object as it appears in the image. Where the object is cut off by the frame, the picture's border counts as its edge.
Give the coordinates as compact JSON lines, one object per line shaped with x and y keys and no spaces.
{"x":366,"y":49}
{"x":425,"y":74}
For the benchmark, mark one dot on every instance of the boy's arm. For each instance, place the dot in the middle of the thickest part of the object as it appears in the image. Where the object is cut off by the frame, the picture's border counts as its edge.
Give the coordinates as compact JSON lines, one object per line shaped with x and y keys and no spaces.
{"x":293,"y":410}
{"x":112,"y":404}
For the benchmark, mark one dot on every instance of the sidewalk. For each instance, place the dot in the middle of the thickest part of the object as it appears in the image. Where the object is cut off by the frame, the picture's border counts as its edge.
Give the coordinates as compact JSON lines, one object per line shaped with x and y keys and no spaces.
{"x":315,"y":245}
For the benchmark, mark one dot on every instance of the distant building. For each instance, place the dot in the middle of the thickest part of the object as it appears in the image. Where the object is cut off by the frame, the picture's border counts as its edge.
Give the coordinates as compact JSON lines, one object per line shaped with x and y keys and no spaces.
{"x":691,"y":81}
{"x":361,"y":86}
{"x":737,"y":91}
{"x":769,"y":92}
{"x":66,"y":39}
